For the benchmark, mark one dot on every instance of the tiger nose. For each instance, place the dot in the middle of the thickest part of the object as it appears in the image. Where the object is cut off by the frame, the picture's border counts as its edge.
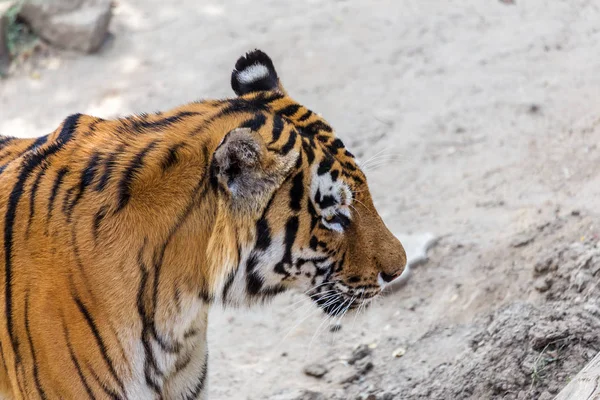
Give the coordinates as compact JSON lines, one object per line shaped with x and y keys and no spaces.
{"x":387,"y":278}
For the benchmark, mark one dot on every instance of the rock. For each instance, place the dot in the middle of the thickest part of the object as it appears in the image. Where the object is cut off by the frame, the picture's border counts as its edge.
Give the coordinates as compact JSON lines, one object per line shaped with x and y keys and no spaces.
{"x":358,"y":374}
{"x":298,"y":395}
{"x":546,"y":396}
{"x":542,"y":284}
{"x":4,"y":52}
{"x":523,"y":239}
{"x":315,"y":370}
{"x":545,"y":333}
{"x":399,"y":352}
{"x":359,"y":353}
{"x":71,"y":24}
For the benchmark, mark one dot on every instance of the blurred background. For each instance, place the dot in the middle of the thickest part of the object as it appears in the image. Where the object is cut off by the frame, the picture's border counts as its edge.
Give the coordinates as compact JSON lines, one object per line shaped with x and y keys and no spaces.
{"x":481,"y":122}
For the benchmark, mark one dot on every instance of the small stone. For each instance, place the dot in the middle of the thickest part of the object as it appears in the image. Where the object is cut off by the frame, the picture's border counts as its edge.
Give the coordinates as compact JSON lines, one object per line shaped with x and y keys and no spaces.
{"x":71,"y":24}
{"x":522,"y":240}
{"x":546,"y":396}
{"x":544,"y":333}
{"x":533,"y":108}
{"x":359,"y":353}
{"x":399,"y":352}
{"x":315,"y":370}
{"x":592,"y":309}
{"x":298,"y":395}
{"x":543,"y":284}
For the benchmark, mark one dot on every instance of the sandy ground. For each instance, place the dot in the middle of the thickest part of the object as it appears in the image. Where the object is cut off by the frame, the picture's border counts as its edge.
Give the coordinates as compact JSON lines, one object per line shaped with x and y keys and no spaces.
{"x":484,"y":116}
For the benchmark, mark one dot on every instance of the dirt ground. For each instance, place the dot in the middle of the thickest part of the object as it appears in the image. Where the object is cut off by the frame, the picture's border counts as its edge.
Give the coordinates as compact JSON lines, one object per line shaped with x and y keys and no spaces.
{"x":484,"y":116}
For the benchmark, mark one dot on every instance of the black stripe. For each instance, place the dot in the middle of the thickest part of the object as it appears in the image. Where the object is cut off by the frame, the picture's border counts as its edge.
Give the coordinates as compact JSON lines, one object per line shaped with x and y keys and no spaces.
{"x":314,"y":216}
{"x":38,"y":142}
{"x":32,"y":197}
{"x":255,"y":123}
{"x":58,"y":180}
{"x":239,"y":105}
{"x":308,"y":146}
{"x":36,"y":375}
{"x":289,"y":110}
{"x":228,"y":284}
{"x":315,"y":127}
{"x":141,"y":123}
{"x":5,"y":140}
{"x":75,"y":362}
{"x":109,"y":392}
{"x":67,"y":200}
{"x":87,"y":176}
{"x":197,"y":390}
{"x":271,"y":291}
{"x":305,"y":116}
{"x":98,"y":338}
{"x":27,"y":167}
{"x":263,"y":234}
{"x":336,"y":145}
{"x":181,"y":364}
{"x":145,"y":316}
{"x":335,"y":175}
{"x":277,"y":128}
{"x":171,"y":157}
{"x":297,"y":191}
{"x":326,"y":201}
{"x":290,"y":143}
{"x":109,"y":166}
{"x":98,"y":220}
{"x":325,"y":165}
{"x":291,"y":230}
{"x":254,"y":282}
{"x":134,"y":166}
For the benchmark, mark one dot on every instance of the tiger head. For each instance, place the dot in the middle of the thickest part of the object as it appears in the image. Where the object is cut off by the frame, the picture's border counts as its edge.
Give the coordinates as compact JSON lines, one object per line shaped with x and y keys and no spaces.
{"x":312,"y":224}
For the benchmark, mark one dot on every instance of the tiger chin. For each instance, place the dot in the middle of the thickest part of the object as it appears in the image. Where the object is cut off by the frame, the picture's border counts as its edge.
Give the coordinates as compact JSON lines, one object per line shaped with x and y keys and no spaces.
{"x":118,"y":235}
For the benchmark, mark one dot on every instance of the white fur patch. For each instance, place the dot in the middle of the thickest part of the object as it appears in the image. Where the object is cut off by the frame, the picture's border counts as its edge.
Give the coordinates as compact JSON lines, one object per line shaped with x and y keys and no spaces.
{"x":253,"y":73}
{"x":339,"y":190}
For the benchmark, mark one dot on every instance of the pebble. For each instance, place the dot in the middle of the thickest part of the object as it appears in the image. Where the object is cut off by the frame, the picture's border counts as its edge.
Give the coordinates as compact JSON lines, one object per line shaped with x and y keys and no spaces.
{"x":315,"y":370}
{"x":399,"y":352}
{"x":542,"y":284}
{"x":359,"y":353}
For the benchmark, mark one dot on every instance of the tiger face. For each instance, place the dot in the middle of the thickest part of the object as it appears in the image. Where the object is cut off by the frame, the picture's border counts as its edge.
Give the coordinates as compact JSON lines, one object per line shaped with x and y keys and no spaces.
{"x":315,"y":227}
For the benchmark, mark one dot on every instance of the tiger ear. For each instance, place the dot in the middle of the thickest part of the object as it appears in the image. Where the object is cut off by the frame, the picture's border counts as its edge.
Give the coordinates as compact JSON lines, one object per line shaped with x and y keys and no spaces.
{"x":247,"y":170}
{"x":254,"y":72}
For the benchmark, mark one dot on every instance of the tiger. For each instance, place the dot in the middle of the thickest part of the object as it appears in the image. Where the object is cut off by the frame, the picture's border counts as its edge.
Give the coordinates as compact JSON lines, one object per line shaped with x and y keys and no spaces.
{"x":118,"y":235}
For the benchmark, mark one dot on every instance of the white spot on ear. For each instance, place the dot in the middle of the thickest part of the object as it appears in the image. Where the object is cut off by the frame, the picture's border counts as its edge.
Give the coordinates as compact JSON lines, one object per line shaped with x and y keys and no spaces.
{"x":253,"y":73}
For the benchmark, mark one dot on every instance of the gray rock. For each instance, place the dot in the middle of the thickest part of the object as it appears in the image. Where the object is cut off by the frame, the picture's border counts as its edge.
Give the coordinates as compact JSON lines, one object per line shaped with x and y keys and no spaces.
{"x":71,"y":24}
{"x":359,"y":353}
{"x":315,"y":370}
{"x":298,"y":395}
{"x":542,"y":284}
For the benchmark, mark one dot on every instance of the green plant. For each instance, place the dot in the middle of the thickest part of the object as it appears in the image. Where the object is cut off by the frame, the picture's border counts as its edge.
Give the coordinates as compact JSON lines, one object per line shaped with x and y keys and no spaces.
{"x":18,"y":34}
{"x":549,"y":355}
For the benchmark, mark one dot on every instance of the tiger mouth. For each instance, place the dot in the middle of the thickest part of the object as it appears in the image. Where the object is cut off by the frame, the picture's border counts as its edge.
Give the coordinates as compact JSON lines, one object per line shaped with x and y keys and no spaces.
{"x":337,"y":303}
